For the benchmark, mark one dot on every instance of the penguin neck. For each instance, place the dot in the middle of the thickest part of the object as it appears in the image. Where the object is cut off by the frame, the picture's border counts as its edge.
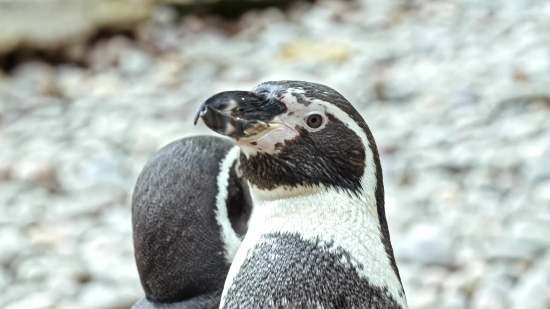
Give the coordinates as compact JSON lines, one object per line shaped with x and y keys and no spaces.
{"x":315,"y":203}
{"x":317,"y":211}
{"x":334,"y":216}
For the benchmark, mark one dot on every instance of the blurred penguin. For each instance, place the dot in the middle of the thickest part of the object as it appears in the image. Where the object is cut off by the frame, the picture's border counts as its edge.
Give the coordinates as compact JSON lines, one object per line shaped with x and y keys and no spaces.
{"x":190,"y":210}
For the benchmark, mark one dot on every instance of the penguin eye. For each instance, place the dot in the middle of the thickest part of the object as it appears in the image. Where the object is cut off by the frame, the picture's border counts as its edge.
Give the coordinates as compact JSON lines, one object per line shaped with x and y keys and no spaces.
{"x":314,"y":121}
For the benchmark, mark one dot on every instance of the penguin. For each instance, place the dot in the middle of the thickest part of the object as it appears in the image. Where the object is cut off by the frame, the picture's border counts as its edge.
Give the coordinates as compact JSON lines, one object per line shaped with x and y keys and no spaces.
{"x":318,"y":236}
{"x":190,"y":210}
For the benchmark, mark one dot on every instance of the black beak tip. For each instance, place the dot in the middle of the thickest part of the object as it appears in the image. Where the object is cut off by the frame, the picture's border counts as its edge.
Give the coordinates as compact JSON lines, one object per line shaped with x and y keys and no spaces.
{"x":202,"y":111}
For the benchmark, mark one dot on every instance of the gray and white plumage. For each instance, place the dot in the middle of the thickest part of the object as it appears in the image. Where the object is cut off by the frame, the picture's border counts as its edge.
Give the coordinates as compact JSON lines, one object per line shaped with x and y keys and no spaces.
{"x":190,"y":209}
{"x":318,"y":237}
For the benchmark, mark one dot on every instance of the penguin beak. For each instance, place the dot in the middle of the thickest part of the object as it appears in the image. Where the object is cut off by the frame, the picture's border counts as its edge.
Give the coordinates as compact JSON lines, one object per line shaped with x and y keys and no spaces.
{"x":240,"y":114}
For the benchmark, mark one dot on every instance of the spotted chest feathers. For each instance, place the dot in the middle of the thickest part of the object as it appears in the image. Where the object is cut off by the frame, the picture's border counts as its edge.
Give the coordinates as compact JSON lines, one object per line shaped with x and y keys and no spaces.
{"x":319,"y":246}
{"x":313,"y":274}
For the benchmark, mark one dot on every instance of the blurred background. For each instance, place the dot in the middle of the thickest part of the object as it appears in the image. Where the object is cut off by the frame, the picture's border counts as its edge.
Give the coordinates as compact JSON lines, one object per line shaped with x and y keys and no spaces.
{"x":457,"y":94}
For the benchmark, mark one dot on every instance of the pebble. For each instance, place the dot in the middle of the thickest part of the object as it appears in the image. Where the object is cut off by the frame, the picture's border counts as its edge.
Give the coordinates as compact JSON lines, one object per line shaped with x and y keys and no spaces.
{"x":533,"y":290}
{"x":422,"y":299}
{"x":5,"y":279}
{"x":134,"y":62}
{"x":41,"y":173}
{"x":459,"y":111}
{"x":542,"y":191}
{"x":511,"y":249}
{"x":104,"y":295}
{"x":453,"y":300}
{"x":427,"y":244}
{"x":493,"y":290}
{"x":12,"y":240}
{"x":29,"y":294}
{"x":32,"y":301}
{"x":535,"y":231}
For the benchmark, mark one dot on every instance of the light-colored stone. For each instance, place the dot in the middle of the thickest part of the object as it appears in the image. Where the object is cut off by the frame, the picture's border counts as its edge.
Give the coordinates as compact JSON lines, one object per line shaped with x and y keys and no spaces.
{"x":134,"y":62}
{"x":32,"y":301}
{"x":105,"y":295}
{"x":26,"y":295}
{"x":426,"y":243}
{"x":5,"y":279}
{"x":423,"y":299}
{"x":12,"y":241}
{"x":490,"y":297}
{"x":40,"y":173}
{"x":533,"y":231}
{"x":505,"y":248}
{"x":532,"y":290}
{"x":453,"y":300}
{"x":52,"y":24}
{"x":542,"y":191}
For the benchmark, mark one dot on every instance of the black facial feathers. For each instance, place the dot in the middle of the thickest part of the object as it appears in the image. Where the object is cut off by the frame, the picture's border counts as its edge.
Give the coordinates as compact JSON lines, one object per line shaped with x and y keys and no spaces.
{"x":311,"y":160}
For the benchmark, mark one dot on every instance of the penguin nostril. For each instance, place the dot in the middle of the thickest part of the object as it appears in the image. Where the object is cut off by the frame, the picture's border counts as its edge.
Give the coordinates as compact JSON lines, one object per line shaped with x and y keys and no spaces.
{"x":203,"y":111}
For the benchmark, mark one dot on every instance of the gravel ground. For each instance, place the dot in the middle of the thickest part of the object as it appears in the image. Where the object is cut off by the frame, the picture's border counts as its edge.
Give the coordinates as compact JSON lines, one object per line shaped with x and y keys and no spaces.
{"x":455,"y":92}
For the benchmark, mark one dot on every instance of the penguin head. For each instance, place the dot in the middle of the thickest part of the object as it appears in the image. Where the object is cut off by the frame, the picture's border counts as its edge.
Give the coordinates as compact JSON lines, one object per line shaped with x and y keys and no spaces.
{"x":296,"y":134}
